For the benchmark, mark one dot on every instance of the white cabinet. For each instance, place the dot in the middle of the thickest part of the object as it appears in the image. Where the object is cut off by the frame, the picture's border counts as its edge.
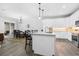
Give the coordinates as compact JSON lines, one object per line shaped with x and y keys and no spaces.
{"x":43,"y":43}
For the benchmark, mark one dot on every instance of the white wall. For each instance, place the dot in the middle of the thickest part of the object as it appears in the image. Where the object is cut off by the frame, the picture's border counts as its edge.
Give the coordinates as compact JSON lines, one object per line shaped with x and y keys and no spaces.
{"x":35,"y":24}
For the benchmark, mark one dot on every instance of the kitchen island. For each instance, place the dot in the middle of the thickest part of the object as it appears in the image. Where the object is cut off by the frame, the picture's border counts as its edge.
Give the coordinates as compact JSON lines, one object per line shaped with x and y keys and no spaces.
{"x":43,"y":43}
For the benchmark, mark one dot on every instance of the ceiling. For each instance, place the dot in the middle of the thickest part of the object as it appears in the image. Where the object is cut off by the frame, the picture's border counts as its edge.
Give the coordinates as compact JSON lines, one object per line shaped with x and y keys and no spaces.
{"x":17,"y":10}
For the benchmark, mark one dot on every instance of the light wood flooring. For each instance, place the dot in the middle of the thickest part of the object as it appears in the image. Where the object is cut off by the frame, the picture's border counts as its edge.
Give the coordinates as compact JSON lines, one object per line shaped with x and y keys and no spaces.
{"x":65,"y":48}
{"x":15,"y":47}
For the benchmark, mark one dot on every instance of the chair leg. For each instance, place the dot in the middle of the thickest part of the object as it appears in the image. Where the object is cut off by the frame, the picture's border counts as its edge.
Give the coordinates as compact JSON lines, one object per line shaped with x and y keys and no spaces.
{"x":0,"y":46}
{"x":25,"y":44}
{"x":30,"y":42}
{"x":1,"y":43}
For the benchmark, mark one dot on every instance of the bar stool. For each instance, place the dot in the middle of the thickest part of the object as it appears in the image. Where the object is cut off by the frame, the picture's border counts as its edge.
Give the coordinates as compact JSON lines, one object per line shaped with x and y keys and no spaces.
{"x":1,"y":38}
{"x":28,"y":37}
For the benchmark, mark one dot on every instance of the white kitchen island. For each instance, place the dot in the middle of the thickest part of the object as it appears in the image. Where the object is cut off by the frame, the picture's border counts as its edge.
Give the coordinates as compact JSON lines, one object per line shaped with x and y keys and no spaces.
{"x":43,"y":43}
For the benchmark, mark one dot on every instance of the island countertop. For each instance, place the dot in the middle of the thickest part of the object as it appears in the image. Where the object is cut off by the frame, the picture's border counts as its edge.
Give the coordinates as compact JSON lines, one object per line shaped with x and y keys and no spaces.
{"x":43,"y":33}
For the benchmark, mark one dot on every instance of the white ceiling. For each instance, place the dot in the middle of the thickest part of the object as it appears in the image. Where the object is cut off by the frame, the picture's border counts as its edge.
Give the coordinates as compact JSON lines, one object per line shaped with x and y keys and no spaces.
{"x":17,"y":10}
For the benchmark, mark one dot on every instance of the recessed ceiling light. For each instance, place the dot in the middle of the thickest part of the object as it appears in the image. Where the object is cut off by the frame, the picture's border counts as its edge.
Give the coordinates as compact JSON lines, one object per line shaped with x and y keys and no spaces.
{"x":39,"y":17}
{"x":64,"y":6}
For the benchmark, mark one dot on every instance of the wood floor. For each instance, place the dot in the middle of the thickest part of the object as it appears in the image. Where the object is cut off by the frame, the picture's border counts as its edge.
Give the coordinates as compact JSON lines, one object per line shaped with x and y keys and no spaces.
{"x":15,"y":47}
{"x":65,"y":48}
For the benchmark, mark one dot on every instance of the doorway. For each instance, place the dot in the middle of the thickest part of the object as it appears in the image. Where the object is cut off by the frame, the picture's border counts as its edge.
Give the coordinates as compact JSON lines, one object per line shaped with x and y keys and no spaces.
{"x":9,"y":28}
